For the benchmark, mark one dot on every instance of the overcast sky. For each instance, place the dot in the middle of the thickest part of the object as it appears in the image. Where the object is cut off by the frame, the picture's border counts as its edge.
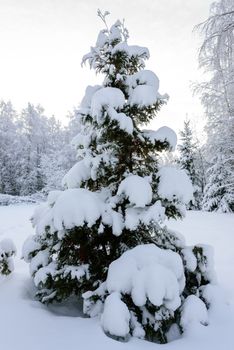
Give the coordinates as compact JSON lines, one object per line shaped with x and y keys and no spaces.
{"x":42,"y":43}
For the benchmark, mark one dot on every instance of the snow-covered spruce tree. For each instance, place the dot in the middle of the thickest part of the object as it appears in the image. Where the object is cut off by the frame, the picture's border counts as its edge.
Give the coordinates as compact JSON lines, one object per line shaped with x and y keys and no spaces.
{"x":103,"y":236}
{"x":187,"y":149}
{"x":218,"y":194}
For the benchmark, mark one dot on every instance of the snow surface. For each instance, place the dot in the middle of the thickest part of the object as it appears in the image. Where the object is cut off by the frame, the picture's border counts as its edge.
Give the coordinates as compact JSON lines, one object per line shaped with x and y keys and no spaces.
{"x":193,"y":311}
{"x":26,"y":324}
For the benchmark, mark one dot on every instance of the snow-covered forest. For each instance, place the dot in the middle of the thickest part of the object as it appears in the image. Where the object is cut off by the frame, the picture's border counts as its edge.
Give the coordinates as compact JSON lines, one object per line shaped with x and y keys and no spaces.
{"x":35,"y":150}
{"x":90,"y":204}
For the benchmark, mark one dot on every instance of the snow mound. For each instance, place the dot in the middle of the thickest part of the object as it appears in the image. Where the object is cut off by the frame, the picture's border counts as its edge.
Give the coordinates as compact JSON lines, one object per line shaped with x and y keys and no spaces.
{"x":162,"y":134}
{"x":137,"y":189}
{"x":148,"y":272}
{"x":193,"y":311}
{"x":116,"y":316}
{"x":106,"y":97}
{"x":174,"y":184}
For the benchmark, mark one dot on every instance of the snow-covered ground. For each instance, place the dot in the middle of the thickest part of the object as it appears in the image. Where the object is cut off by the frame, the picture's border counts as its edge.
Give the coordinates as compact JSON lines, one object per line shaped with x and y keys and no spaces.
{"x":26,"y":324}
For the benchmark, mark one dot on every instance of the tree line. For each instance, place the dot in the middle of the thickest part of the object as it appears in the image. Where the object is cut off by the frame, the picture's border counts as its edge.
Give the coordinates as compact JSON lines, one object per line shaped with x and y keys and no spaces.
{"x":35,"y":150}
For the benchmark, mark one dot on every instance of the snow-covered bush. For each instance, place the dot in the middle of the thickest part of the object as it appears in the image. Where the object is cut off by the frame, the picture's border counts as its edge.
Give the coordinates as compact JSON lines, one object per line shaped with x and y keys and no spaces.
{"x":103,"y":236}
{"x":7,"y":251}
{"x":7,"y":199}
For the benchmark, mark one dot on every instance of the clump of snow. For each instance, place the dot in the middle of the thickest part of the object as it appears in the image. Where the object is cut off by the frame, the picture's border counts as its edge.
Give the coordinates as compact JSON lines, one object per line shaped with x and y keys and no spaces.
{"x":29,"y":246}
{"x":115,"y":32}
{"x":7,"y":247}
{"x":174,"y":184}
{"x":102,"y":39}
{"x":125,"y":122}
{"x":116,"y":316}
{"x":74,"y":207}
{"x":193,"y":311}
{"x":137,"y":189}
{"x":189,"y":258}
{"x":42,"y":274}
{"x":146,"y":285}
{"x":39,"y":260}
{"x":162,"y":134}
{"x":77,"y":272}
{"x":143,"y":77}
{"x":131,"y":50}
{"x":106,"y":97}
{"x":52,"y":197}
{"x":143,"y":96}
{"x":135,"y":216}
{"x":140,"y":272}
{"x":89,"y":92}
{"x":117,"y":222}
{"x":82,"y":139}
{"x":79,"y":173}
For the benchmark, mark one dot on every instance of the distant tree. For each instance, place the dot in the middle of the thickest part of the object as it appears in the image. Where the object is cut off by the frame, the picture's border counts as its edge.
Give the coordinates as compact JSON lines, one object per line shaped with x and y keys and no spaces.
{"x":9,"y":149}
{"x":188,"y":159}
{"x":217,"y":93}
{"x":35,"y":142}
{"x":219,"y":195}
{"x":61,"y":154}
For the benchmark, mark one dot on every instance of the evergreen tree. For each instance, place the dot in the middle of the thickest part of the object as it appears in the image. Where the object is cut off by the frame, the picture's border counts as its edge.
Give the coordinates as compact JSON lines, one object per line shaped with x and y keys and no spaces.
{"x":218,"y":192}
{"x":103,"y":236}
{"x":9,"y":149}
{"x":187,"y":149}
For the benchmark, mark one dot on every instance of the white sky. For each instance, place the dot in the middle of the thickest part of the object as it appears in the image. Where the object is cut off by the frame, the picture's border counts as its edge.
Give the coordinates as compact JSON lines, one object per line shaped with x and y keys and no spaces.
{"x":42,"y":43}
